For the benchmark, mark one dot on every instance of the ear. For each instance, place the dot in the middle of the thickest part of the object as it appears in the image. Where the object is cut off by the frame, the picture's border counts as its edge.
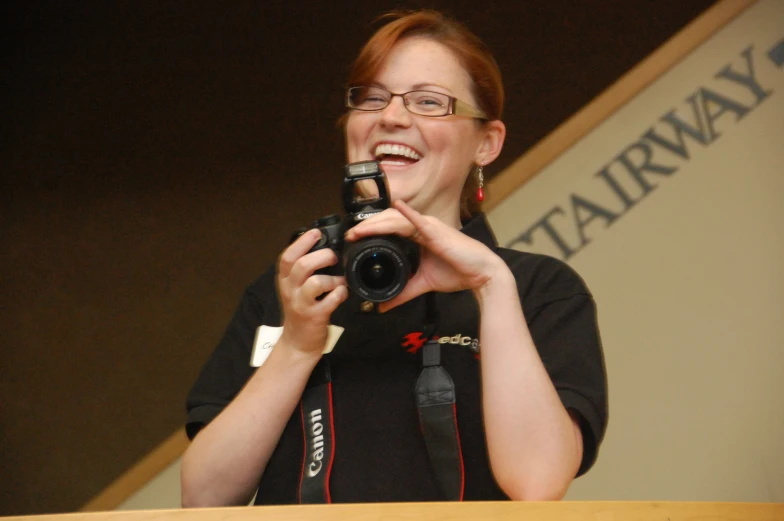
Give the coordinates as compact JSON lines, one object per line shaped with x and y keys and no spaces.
{"x":492,"y":143}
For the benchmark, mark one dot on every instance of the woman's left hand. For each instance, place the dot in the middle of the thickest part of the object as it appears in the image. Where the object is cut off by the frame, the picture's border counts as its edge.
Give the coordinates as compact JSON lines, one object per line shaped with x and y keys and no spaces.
{"x":450,"y":260}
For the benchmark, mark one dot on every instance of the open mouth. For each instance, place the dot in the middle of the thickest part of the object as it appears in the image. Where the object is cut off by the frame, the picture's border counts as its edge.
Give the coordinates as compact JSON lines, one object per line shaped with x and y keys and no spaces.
{"x":396,"y":155}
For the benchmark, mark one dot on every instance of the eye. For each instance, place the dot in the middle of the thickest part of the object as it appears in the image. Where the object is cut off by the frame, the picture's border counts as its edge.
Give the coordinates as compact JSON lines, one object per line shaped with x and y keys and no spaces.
{"x":429,"y":101}
{"x":369,"y":98}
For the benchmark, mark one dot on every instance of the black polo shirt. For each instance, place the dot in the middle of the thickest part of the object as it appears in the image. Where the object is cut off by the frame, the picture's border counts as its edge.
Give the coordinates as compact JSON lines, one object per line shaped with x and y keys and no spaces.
{"x":380,"y":454}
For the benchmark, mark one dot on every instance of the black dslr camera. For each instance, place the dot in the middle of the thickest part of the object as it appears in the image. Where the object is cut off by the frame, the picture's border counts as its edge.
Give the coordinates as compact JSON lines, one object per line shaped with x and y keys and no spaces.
{"x":376,"y":268}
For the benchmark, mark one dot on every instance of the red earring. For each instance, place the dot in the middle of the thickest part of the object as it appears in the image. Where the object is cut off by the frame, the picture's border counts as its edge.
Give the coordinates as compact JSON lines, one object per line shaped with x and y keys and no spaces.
{"x":480,"y":193}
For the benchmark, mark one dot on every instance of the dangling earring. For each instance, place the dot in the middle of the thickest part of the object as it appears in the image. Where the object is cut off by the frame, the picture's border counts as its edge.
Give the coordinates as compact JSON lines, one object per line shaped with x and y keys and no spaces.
{"x":480,"y":193}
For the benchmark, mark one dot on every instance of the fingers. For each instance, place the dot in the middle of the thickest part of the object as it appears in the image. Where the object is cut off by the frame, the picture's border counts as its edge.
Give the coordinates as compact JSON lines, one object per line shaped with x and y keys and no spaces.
{"x":307,"y":265}
{"x":317,"y":285}
{"x":409,"y":213}
{"x":296,"y":264}
{"x":296,"y":250}
{"x":388,"y":222}
{"x":424,"y":227}
{"x":300,"y":288}
{"x":305,"y":302}
{"x":332,"y":300}
{"x":306,"y":318}
{"x":401,"y":220}
{"x":312,"y":302}
{"x":416,"y":286}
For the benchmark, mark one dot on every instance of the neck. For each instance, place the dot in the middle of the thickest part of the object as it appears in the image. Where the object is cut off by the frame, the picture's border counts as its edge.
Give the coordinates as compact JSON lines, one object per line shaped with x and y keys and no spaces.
{"x":450,"y":215}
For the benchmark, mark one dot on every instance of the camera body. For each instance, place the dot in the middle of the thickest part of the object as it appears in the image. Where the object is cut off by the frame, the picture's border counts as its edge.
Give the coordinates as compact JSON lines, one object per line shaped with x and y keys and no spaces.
{"x":376,"y":268}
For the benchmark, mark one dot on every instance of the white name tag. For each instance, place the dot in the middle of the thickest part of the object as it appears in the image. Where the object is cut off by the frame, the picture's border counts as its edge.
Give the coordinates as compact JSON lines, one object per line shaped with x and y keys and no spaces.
{"x":267,"y":337}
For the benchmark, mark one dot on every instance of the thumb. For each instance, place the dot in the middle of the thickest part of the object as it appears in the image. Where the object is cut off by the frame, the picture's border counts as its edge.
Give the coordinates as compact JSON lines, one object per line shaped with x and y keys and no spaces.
{"x":416,"y":286}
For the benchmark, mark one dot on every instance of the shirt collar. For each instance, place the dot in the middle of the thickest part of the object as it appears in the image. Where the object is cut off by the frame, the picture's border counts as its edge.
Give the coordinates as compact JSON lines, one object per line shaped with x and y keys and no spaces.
{"x":478,"y":228}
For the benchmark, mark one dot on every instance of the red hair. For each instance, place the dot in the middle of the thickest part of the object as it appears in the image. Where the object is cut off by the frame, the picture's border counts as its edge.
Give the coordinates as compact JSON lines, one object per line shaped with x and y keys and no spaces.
{"x":474,"y":56}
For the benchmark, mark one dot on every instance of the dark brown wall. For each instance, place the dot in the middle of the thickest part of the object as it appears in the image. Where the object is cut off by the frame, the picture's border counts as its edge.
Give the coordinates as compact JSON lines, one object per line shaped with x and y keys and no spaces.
{"x":156,"y":156}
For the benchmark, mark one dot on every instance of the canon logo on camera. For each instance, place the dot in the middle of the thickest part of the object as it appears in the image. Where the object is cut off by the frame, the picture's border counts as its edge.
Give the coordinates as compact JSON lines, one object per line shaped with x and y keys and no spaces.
{"x":363,"y":216}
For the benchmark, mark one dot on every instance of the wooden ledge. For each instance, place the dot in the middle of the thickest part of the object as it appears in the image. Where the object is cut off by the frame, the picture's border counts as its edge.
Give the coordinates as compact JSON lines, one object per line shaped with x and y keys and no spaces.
{"x":502,"y":511}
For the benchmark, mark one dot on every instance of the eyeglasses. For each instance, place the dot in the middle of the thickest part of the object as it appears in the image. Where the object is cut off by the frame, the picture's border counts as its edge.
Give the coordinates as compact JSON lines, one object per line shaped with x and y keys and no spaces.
{"x":420,"y":102}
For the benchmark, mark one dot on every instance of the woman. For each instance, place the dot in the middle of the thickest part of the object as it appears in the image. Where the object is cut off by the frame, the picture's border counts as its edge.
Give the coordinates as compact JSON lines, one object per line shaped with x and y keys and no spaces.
{"x":425,"y":99}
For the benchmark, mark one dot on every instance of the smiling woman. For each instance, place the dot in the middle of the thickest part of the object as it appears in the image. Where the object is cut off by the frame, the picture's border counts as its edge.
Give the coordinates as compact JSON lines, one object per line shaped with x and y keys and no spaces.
{"x":447,"y":145}
{"x":464,"y":55}
{"x":424,"y":100}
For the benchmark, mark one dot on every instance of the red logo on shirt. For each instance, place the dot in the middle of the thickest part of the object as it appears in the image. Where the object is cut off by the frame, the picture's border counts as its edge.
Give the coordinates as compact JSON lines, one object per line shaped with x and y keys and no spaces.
{"x":414,"y":341}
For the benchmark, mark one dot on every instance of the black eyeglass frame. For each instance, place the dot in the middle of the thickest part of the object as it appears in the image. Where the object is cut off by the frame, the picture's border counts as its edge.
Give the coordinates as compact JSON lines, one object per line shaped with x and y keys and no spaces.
{"x":456,"y":106}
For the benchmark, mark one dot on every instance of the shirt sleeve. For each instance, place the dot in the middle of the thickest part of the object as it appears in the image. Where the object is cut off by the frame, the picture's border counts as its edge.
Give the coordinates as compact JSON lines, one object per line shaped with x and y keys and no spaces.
{"x":228,"y":367}
{"x":561,"y":315}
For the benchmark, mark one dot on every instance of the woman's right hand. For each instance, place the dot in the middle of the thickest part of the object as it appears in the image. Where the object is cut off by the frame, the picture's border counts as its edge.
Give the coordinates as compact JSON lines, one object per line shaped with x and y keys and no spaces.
{"x":223,"y":464}
{"x":305,"y":317}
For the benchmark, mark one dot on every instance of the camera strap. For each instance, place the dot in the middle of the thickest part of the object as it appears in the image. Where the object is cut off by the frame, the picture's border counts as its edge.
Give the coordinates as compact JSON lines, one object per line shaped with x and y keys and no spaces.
{"x":436,"y":404}
{"x":318,"y":429}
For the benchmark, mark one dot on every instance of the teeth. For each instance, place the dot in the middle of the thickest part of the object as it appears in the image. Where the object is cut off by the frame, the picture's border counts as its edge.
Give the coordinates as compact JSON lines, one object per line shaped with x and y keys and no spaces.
{"x":396,"y":150}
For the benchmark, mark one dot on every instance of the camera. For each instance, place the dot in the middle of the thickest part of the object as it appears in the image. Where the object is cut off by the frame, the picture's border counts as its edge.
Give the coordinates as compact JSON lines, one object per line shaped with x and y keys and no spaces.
{"x":376,"y":268}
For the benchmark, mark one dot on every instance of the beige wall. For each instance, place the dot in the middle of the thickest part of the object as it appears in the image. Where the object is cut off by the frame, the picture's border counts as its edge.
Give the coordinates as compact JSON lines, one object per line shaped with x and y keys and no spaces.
{"x":688,"y":280}
{"x":161,"y":492}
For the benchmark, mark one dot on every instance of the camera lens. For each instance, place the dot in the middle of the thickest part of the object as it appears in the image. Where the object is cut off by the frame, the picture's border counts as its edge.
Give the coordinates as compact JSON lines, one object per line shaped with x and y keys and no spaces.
{"x":377,"y":268}
{"x":377,"y":271}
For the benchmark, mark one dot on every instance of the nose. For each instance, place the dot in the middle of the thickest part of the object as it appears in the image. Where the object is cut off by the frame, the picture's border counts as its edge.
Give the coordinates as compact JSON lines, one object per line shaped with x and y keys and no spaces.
{"x":396,"y":114}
